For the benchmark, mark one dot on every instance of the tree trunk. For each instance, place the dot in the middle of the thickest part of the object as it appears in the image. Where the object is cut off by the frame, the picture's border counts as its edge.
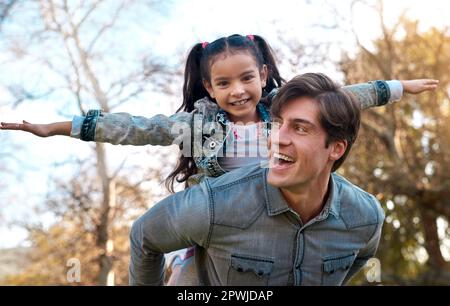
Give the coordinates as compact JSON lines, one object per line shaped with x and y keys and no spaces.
{"x":104,"y":260}
{"x":436,"y":261}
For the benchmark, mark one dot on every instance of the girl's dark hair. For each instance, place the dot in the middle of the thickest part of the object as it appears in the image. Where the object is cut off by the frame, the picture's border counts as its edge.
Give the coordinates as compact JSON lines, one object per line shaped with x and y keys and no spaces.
{"x":198,"y":64}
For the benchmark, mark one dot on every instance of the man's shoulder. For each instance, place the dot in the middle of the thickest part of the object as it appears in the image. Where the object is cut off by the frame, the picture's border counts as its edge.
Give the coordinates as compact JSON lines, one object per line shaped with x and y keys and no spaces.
{"x":237,"y":197}
{"x":235,"y":178}
{"x":357,"y":207}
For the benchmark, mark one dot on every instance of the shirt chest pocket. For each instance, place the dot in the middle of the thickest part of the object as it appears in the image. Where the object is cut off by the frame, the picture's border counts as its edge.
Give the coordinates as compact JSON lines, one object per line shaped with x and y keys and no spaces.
{"x":249,"y":271}
{"x":335,"y":268}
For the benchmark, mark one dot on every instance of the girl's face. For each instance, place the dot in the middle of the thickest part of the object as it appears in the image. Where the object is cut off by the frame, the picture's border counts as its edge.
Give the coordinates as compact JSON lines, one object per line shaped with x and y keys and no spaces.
{"x":236,"y":84}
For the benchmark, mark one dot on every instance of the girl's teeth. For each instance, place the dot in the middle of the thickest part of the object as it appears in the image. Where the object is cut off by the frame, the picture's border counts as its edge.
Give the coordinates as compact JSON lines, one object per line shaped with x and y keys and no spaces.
{"x":240,"y":102}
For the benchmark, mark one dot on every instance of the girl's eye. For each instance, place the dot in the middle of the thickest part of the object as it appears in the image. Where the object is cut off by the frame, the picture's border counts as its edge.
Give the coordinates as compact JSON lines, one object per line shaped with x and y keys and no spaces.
{"x":248,"y":77}
{"x":222,"y":84}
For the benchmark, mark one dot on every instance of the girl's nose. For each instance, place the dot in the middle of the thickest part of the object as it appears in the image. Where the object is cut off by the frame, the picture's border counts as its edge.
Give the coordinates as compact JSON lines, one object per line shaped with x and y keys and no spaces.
{"x":238,"y":90}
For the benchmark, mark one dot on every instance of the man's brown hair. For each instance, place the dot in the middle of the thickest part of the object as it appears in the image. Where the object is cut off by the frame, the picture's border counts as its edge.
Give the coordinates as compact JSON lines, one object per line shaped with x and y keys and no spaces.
{"x":339,"y":113}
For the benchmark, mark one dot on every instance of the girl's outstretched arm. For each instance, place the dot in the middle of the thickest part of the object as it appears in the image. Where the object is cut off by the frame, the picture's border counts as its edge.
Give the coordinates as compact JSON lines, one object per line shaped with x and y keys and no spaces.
{"x":41,"y":130}
{"x":379,"y":93}
{"x":125,"y":129}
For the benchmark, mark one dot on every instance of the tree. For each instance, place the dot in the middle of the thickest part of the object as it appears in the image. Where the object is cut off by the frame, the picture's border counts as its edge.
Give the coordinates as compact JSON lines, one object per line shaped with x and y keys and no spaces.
{"x":76,"y":204}
{"x":5,"y":8}
{"x":78,"y":47}
{"x":402,"y":154}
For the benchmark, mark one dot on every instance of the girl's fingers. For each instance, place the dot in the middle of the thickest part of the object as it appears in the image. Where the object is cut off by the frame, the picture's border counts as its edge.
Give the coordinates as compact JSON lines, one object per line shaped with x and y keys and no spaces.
{"x":10,"y":126}
{"x":431,"y":82}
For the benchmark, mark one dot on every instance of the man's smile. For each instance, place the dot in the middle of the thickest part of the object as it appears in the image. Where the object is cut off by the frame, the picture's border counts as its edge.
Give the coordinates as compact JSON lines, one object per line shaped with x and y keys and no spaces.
{"x":281,"y":161}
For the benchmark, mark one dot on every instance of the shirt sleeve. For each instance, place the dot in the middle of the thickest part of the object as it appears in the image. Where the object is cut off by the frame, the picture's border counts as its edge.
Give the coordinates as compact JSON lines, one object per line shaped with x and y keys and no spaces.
{"x":179,"y":221}
{"x":396,"y":89}
{"x":77,"y":122}
{"x":371,"y":247}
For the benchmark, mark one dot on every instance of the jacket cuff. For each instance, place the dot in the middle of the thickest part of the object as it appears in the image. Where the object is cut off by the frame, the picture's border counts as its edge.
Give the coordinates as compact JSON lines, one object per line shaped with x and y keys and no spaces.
{"x":89,"y":124}
{"x":383,"y":92}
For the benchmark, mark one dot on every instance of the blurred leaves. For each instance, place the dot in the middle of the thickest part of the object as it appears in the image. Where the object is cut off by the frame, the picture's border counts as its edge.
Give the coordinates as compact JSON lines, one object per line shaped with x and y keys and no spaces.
{"x":408,"y":144}
{"x":76,"y":204}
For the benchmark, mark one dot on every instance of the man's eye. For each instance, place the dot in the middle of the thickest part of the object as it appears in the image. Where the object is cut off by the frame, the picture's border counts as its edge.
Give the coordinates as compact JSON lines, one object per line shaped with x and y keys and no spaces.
{"x":300,"y":129}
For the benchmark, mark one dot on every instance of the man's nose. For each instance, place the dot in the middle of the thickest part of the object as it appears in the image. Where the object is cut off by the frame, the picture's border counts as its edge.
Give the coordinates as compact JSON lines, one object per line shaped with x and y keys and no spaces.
{"x":279,"y":135}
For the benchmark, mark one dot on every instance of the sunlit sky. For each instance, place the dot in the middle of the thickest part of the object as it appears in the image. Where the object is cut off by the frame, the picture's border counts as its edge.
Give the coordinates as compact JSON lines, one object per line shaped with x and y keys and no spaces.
{"x":185,"y":23}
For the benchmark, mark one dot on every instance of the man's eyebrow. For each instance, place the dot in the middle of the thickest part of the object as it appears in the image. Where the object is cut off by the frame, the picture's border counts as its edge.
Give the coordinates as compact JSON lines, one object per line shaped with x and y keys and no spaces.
{"x":302,"y":121}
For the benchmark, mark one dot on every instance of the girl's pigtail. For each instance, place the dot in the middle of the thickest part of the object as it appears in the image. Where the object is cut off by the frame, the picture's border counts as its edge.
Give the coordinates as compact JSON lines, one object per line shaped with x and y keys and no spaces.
{"x":192,"y":91}
{"x":274,"y":80}
{"x":193,"y":86}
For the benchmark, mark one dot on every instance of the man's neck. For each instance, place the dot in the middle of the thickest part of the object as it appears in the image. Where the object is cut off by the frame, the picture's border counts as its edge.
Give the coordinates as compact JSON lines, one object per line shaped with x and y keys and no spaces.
{"x":308,"y":200}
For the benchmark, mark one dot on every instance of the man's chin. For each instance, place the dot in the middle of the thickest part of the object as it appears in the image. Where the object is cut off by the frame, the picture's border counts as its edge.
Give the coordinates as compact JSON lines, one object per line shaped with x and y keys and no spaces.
{"x":276,"y":180}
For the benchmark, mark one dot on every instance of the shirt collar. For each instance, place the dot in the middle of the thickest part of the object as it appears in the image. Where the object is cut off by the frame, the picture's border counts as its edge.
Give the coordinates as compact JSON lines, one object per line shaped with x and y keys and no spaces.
{"x":333,"y":203}
{"x":276,"y":204}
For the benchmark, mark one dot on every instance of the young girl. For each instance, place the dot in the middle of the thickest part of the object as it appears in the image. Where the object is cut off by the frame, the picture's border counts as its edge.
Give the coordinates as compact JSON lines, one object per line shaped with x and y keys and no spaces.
{"x":228,"y":88}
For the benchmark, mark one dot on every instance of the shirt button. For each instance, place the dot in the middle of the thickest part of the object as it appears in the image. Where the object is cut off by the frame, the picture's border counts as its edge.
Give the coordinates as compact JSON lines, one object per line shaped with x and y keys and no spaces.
{"x":212,"y":145}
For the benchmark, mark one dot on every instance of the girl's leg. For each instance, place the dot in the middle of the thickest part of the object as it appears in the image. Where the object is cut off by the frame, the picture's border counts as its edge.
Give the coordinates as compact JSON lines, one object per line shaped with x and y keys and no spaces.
{"x":183,"y":270}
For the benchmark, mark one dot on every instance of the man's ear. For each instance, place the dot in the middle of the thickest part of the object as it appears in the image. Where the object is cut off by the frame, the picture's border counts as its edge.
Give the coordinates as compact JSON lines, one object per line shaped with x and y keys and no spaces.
{"x":208,"y":88}
{"x":264,"y":73}
{"x":337,"y":149}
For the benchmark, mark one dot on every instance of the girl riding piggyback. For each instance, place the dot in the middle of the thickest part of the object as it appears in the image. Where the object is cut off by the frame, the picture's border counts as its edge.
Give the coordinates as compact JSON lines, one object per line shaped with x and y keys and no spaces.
{"x":227,"y":93}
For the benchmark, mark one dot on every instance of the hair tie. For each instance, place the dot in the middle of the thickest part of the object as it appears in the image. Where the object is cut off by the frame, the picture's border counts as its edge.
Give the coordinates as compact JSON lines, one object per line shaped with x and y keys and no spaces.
{"x":204,"y":44}
{"x":251,"y":37}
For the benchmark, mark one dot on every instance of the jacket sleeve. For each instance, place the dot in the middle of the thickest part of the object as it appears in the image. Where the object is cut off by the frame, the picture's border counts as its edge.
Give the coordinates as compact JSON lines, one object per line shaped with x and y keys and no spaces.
{"x":371,"y":94}
{"x":125,"y":129}
{"x":179,"y":221}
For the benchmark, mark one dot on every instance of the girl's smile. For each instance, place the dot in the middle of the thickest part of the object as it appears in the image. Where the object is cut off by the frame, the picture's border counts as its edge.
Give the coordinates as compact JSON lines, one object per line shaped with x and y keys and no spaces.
{"x":240,"y":102}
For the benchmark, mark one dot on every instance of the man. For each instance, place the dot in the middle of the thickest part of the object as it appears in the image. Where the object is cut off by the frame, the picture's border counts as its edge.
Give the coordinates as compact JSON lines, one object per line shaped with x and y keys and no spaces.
{"x":295,"y":223}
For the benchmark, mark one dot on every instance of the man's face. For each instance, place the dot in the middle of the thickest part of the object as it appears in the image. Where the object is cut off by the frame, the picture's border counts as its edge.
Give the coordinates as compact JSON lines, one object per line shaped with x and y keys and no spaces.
{"x":298,"y":156}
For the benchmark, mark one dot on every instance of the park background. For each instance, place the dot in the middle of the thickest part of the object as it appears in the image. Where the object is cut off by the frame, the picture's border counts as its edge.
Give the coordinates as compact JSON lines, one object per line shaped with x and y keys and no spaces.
{"x":63,"y":199}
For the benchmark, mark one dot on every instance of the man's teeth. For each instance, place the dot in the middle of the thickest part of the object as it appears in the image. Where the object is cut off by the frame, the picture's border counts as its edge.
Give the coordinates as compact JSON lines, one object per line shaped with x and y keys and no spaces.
{"x":283,"y":157}
{"x":237,"y":103}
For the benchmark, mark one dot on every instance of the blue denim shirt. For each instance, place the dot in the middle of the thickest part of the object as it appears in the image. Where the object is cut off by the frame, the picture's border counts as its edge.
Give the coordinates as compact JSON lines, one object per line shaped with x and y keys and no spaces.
{"x":207,"y":122}
{"x":245,"y":233}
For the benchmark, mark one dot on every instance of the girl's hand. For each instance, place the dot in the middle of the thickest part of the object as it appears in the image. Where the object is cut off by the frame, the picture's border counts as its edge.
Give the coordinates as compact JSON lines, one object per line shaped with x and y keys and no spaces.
{"x":419,"y":86}
{"x":41,"y":130}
